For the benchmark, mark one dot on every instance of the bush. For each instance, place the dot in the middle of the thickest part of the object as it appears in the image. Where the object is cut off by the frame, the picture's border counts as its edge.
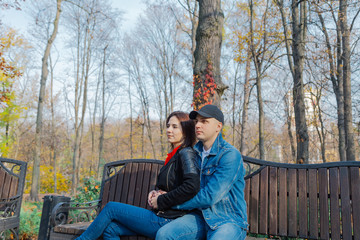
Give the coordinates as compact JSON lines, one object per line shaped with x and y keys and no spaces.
{"x":30,"y":217}
{"x":89,"y":191}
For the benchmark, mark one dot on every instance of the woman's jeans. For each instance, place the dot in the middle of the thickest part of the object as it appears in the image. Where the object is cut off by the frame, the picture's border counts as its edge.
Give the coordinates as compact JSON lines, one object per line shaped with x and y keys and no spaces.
{"x":119,"y":219}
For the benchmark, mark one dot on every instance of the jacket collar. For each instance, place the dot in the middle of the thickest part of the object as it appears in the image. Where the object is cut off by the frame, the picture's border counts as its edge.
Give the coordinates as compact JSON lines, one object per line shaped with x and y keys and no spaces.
{"x":215,"y":148}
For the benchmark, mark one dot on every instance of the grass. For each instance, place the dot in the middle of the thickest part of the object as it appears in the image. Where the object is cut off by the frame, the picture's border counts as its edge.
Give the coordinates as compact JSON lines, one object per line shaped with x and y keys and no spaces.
{"x":30,"y":217}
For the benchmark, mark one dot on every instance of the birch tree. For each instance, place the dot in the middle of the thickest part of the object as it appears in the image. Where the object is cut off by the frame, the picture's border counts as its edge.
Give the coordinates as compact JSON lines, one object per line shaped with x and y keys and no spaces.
{"x":44,"y":74}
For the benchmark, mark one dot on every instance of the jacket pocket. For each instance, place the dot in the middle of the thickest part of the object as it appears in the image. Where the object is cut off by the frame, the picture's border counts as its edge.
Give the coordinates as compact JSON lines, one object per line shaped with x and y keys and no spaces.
{"x":208,"y":171}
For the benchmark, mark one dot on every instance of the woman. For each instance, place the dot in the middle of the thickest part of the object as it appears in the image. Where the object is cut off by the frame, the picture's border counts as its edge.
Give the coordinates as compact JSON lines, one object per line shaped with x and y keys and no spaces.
{"x":178,"y":181}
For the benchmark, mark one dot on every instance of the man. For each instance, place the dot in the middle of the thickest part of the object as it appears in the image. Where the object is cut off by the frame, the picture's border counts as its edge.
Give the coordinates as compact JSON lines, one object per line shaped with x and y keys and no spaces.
{"x":219,"y":207}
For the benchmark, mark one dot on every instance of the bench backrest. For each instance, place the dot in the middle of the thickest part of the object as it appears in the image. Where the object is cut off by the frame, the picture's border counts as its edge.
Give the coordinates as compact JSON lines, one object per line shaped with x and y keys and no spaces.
{"x":307,"y":201}
{"x":129,"y":181}
{"x":12,"y":180}
{"x":9,"y":184}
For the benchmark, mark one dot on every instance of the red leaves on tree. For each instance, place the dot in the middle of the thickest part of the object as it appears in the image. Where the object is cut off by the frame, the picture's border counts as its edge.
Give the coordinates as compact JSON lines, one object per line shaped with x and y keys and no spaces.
{"x":205,"y":92}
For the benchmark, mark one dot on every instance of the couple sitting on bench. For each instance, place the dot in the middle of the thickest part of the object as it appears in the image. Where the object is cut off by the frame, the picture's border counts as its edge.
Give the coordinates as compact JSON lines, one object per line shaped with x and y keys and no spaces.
{"x":201,"y":188}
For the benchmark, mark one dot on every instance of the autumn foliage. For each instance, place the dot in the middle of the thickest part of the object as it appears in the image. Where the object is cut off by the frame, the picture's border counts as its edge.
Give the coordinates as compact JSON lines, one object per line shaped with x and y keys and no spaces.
{"x":204,"y":89}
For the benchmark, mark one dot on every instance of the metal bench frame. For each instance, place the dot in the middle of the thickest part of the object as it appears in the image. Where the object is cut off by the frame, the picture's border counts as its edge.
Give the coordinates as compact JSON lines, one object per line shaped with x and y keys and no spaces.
{"x":12,"y":180}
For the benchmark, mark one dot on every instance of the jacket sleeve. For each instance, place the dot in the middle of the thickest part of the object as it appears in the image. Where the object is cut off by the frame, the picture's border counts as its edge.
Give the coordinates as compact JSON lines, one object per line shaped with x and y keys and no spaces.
{"x":227,"y":172}
{"x":190,"y":185}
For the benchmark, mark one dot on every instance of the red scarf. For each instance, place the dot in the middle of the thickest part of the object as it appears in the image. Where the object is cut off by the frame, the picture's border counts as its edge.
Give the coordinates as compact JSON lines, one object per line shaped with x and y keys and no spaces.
{"x":170,"y":155}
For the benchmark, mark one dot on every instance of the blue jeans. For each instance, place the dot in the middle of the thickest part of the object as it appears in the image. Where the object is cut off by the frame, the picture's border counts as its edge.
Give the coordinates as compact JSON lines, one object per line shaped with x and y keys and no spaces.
{"x":193,"y":226}
{"x":119,"y":219}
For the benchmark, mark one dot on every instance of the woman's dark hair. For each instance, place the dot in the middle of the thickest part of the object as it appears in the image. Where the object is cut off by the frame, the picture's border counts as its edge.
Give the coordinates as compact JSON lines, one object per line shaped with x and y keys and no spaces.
{"x":187,"y":126}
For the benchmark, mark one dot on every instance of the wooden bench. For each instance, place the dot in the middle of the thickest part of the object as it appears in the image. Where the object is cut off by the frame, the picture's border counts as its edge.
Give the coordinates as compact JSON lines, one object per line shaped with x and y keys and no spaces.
{"x":126,"y":181}
{"x":283,"y":199}
{"x":12,"y":179}
{"x":313,"y":201}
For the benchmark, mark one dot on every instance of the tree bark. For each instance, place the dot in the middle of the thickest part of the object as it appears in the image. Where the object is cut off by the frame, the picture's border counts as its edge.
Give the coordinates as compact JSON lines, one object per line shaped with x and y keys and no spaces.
{"x":288,"y":113}
{"x":53,"y":131}
{"x":296,"y":65}
{"x":103,"y":119}
{"x":336,"y":78}
{"x":349,"y":132}
{"x":244,"y":118}
{"x":207,"y":54}
{"x":44,"y":73}
{"x":81,"y":97}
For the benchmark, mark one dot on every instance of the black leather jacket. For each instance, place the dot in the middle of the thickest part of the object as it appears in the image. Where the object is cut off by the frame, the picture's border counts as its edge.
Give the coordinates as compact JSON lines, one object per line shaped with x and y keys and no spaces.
{"x":180,"y":179}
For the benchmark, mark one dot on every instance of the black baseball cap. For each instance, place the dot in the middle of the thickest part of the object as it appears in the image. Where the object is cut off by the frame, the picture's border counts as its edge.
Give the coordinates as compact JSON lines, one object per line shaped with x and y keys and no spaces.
{"x":209,"y":111}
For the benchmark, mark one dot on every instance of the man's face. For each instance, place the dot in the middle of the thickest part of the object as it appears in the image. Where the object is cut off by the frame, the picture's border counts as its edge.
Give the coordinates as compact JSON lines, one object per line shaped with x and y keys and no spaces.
{"x":206,"y":128}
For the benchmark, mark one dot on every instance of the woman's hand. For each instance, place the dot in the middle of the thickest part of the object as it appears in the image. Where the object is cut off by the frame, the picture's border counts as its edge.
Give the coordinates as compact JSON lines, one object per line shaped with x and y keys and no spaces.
{"x":154,"y":201}
{"x":152,"y":198}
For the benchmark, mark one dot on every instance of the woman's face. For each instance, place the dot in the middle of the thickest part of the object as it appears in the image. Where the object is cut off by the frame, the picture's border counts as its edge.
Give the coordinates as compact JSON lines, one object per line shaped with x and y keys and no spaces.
{"x":174,"y":132}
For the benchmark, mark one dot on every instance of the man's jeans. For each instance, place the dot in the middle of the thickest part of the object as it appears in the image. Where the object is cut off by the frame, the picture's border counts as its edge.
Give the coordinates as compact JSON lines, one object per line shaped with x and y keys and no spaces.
{"x":193,"y":226}
{"x":119,"y":219}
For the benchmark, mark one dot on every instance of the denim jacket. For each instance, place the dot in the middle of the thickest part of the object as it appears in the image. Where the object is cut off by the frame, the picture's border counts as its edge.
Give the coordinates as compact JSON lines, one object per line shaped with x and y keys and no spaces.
{"x":221,"y":196}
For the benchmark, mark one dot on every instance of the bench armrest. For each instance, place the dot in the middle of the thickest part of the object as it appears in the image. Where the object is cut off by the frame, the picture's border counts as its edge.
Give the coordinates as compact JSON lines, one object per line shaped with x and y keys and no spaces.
{"x":8,"y":206}
{"x":73,"y":212}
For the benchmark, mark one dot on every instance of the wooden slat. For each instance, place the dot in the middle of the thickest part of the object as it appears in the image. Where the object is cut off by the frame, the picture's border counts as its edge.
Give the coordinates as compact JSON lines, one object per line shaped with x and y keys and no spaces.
{"x":145,"y":186}
{"x":2,"y":178}
{"x":247,"y":197}
{"x":119,"y":185}
{"x":273,"y":201}
{"x":112,"y":192}
{"x":139,"y":184}
{"x":254,"y":204}
{"x":132,"y":186}
{"x":105,"y":196}
{"x":355,"y":200}
{"x":303,"y":201}
{"x":264,"y":201}
{"x":323,"y":204}
{"x":313,"y":204}
{"x":153,"y":178}
{"x":126,"y":182}
{"x":292,"y":215}
{"x":345,"y":203}
{"x":283,"y":202}
{"x":6,"y":186}
{"x":14,"y":186}
{"x":334,"y":203}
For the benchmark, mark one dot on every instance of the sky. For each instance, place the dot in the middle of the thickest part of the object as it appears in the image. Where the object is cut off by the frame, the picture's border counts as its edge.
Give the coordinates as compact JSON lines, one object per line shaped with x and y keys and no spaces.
{"x":131,"y":8}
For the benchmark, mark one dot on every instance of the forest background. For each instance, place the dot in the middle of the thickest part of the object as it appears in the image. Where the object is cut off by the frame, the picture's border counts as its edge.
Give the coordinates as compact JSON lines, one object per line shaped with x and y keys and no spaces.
{"x":109,"y":88}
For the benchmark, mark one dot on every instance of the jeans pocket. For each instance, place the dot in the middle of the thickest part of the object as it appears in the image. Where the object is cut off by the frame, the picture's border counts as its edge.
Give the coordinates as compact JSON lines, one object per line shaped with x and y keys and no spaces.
{"x":161,"y":221}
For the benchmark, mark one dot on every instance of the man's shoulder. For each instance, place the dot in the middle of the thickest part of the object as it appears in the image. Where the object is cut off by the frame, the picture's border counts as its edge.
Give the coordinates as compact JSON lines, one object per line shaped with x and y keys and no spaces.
{"x":227,"y":147}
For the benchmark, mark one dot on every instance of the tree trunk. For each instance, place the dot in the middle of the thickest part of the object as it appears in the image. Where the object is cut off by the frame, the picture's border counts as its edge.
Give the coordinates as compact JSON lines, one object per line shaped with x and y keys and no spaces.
{"x":53,"y":131}
{"x":257,"y":57}
{"x":103,"y":119}
{"x":288,"y":113}
{"x":296,"y":65}
{"x":234,"y":104}
{"x":208,"y":86}
{"x":131,"y":120}
{"x":44,"y":73}
{"x":244,"y":119}
{"x":349,"y":132}
{"x":336,"y":78}
{"x":79,"y":124}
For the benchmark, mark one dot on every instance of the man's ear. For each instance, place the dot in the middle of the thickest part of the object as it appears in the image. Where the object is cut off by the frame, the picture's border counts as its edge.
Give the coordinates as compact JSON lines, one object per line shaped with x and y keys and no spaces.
{"x":219,"y":127}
